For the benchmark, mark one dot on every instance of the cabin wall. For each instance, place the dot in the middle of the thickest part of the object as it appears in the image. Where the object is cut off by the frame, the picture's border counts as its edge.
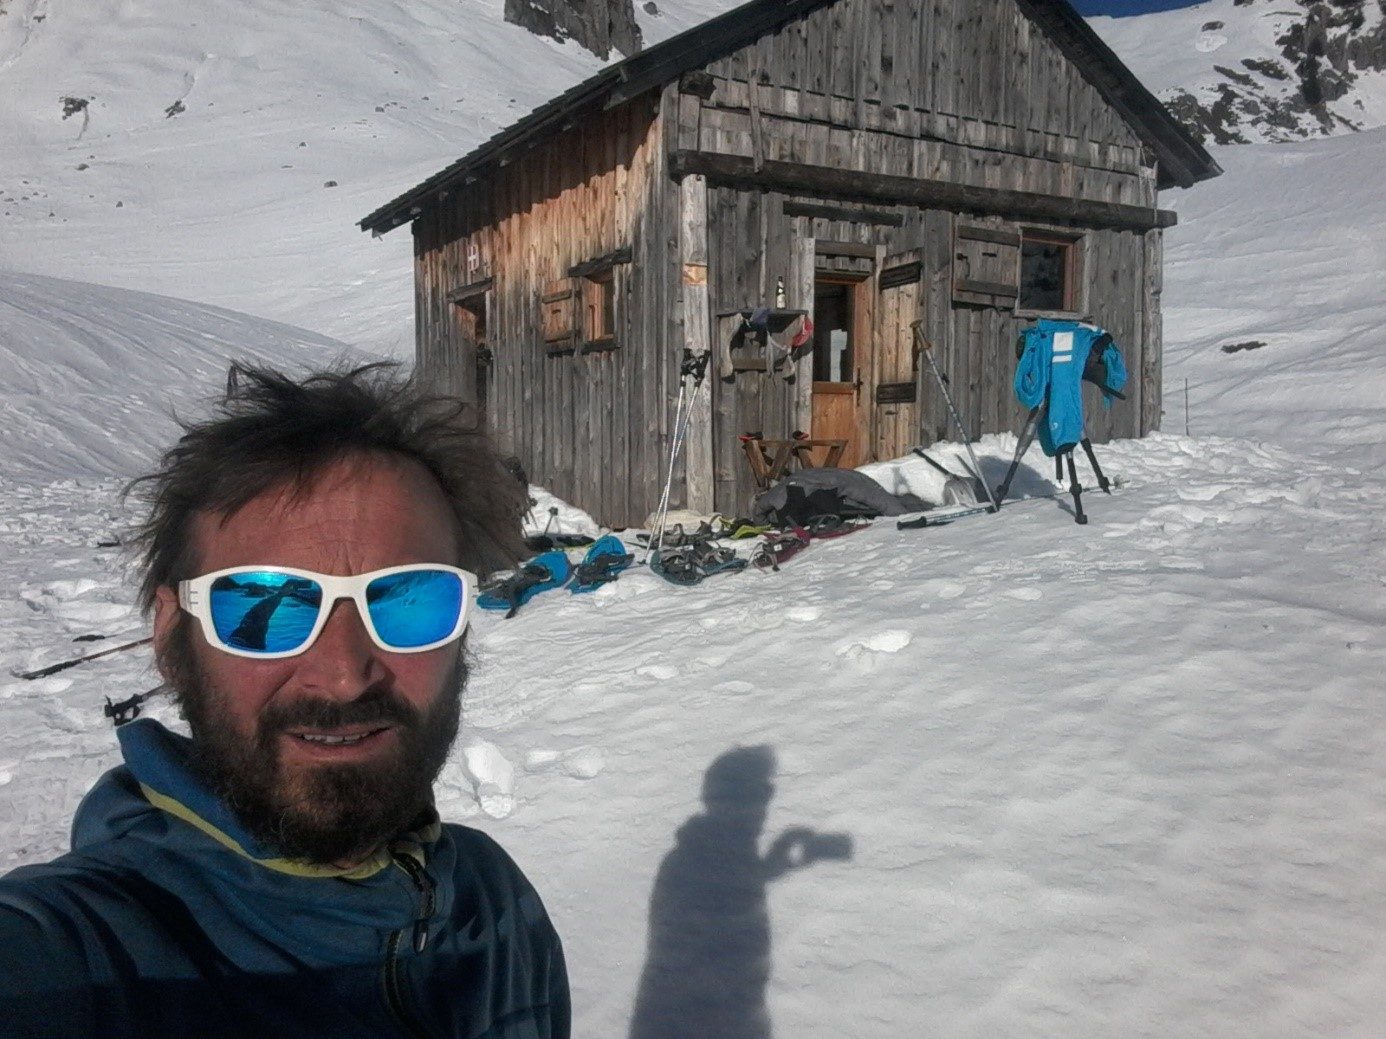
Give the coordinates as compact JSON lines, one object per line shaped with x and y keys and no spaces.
{"x":855,"y":100}
{"x":753,"y":244}
{"x":590,"y":423}
{"x":964,"y":91}
{"x":960,"y":92}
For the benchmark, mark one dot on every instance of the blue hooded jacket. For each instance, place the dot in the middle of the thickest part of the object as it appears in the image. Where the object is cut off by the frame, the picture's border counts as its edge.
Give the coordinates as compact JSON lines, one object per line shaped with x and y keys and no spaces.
{"x":167,"y":918}
{"x":1053,"y":358}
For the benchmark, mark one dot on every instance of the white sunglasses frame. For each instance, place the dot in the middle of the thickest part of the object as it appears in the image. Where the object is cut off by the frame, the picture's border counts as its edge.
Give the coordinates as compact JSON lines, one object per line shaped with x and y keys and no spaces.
{"x":194,"y":596}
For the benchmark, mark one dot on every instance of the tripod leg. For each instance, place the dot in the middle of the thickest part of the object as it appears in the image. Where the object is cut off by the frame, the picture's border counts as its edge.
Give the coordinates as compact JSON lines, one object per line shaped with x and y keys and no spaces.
{"x":1059,"y":468}
{"x":1027,"y":437}
{"x":1102,"y":481}
{"x":1078,"y":515}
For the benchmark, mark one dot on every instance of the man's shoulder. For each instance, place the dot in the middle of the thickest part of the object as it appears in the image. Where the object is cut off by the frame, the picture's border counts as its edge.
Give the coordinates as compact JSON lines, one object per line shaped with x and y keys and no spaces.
{"x":478,"y":853}
{"x":480,"y":864}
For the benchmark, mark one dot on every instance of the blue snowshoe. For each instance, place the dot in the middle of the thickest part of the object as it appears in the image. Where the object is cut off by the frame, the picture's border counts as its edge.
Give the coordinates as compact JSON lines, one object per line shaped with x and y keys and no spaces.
{"x":603,"y":563}
{"x":549,"y":570}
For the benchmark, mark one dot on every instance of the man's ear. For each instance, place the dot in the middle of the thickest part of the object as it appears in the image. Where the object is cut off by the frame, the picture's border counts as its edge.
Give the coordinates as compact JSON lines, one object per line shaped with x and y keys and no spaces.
{"x":166,"y":614}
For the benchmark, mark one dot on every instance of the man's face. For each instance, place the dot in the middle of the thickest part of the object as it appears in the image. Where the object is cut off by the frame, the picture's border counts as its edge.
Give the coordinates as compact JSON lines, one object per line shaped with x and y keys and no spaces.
{"x":258,"y":725}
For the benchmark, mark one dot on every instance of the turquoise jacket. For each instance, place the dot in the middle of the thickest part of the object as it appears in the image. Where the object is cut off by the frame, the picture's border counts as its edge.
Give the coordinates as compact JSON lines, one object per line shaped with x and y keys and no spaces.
{"x":168,"y":919}
{"x":1054,"y":358}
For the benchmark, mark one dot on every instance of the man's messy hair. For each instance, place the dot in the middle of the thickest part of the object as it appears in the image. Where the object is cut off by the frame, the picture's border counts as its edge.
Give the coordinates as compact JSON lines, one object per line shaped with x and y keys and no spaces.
{"x":271,"y":430}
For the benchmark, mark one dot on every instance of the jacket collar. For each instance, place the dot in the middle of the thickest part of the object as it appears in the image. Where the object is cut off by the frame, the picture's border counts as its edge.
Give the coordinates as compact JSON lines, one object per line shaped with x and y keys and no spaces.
{"x":159,"y":761}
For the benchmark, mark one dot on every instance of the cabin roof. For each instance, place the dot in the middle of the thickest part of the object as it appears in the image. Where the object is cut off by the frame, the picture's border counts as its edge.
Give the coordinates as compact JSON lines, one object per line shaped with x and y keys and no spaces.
{"x":1182,"y":160}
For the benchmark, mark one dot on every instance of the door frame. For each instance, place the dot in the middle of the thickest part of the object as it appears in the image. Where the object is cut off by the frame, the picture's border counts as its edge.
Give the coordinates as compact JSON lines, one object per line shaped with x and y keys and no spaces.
{"x":861,"y":289}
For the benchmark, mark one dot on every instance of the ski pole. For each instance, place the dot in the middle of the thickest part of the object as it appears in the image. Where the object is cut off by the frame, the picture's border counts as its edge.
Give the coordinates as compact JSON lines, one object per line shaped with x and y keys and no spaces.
{"x":927,"y":348}
{"x":694,"y":365}
{"x":63,"y":665}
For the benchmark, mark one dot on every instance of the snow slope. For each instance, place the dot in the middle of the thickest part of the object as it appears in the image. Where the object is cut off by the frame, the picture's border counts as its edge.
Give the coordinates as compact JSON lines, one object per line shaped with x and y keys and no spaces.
{"x":95,"y":376}
{"x":225,"y":152}
{"x":1286,"y":249}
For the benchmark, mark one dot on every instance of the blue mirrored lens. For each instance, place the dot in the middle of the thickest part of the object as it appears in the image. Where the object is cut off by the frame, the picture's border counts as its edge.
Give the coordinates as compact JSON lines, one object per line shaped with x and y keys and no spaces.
{"x":416,"y":607}
{"x":264,"y":611}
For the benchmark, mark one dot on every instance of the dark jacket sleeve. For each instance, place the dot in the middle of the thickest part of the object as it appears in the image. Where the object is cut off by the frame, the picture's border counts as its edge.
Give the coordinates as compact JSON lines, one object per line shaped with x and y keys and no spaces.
{"x":46,"y":987}
{"x":560,"y":1001}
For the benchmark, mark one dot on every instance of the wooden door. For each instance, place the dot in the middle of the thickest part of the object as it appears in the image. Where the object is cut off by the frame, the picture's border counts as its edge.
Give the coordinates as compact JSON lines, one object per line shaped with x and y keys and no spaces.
{"x":842,"y":358}
{"x":472,"y":368}
{"x":894,"y":388}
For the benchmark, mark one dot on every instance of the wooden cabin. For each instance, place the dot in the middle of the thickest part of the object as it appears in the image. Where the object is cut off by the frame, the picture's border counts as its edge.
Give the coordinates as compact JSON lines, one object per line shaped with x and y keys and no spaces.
{"x":969,"y":164}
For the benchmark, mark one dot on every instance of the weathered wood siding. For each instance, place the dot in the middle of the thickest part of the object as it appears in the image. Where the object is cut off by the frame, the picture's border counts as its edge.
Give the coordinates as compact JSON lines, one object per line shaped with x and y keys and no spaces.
{"x":967,"y":91}
{"x":963,"y":91}
{"x":753,"y":243}
{"x":591,"y":426}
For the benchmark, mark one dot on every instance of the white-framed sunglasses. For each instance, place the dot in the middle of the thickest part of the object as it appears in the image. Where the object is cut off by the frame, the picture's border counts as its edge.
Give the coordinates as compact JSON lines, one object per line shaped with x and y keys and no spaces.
{"x":266,"y":612}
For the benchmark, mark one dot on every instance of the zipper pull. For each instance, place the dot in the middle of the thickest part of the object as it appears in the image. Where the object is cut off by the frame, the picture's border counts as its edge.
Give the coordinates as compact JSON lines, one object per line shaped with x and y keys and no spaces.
{"x":427,"y":897}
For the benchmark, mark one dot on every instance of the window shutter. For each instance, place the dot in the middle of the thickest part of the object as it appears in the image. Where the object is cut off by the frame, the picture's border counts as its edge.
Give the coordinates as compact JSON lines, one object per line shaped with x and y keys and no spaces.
{"x":986,"y":266}
{"x":559,"y":315}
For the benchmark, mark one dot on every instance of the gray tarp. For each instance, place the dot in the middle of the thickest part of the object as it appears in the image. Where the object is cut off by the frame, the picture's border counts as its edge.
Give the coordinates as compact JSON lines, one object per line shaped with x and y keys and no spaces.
{"x":854,"y":487}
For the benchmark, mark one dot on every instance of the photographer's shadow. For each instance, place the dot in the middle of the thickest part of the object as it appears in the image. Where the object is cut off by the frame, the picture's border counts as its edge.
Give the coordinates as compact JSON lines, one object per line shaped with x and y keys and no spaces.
{"x":708,"y":959}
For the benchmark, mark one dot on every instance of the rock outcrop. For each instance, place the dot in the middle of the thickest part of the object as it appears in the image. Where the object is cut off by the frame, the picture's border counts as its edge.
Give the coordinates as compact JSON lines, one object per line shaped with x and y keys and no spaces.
{"x":599,"y":25}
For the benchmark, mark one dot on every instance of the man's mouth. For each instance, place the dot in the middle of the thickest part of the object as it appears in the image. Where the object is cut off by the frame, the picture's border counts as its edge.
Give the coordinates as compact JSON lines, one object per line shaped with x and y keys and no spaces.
{"x":339,"y":739}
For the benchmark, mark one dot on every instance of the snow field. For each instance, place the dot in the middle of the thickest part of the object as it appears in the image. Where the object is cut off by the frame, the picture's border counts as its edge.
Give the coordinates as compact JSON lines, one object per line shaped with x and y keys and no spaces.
{"x":1124,"y":779}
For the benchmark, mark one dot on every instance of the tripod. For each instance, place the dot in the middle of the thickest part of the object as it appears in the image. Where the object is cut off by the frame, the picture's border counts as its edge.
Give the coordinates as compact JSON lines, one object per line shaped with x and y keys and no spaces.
{"x":1064,"y":454}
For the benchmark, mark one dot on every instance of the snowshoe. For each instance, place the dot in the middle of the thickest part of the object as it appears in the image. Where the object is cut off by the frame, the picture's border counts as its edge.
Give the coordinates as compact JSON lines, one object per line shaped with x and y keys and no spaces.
{"x":676,"y":566}
{"x":832,"y":526}
{"x":549,"y":570}
{"x":711,"y":559}
{"x":780,"y":547}
{"x":741,"y":528}
{"x":545,"y":542}
{"x":604,"y":561}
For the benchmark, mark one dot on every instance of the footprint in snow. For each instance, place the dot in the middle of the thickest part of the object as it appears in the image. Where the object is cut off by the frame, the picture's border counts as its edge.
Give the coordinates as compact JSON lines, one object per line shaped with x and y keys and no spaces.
{"x":736,"y":687}
{"x":580,"y":762}
{"x":891,"y":640}
{"x":1024,"y":594}
{"x":803,"y":614}
{"x":659,"y":672}
{"x":584,"y":762}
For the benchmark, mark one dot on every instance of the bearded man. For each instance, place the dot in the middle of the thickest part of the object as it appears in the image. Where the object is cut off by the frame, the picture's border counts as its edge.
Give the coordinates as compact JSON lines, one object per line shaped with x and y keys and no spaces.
{"x":307,"y":557}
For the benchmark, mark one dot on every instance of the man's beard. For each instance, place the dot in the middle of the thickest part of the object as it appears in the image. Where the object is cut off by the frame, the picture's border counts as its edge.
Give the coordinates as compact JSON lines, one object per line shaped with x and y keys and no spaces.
{"x":326,"y":814}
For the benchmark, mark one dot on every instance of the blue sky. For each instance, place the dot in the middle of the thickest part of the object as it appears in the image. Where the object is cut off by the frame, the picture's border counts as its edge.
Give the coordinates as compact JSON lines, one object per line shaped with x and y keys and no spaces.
{"x":1121,"y":8}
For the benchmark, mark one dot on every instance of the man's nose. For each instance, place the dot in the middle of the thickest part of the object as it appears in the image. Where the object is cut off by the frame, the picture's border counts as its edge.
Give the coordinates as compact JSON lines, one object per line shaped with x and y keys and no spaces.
{"x":343,"y":661}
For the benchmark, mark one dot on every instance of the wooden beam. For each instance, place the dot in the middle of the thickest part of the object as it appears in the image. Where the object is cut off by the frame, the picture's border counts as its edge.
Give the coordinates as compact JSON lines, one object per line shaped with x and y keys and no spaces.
{"x":824,"y":247}
{"x":693,"y":256}
{"x":600,"y":263}
{"x":988,"y":234}
{"x":927,"y":194}
{"x":853,"y":214}
{"x":476,"y":288}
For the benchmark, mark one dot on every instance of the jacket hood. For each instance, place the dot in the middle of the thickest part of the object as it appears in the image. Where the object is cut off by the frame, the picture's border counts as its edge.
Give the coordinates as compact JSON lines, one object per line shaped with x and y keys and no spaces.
{"x":158,"y":780}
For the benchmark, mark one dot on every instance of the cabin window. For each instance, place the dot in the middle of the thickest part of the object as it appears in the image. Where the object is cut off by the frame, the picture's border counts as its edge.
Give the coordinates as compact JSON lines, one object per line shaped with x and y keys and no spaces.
{"x":594,"y":290}
{"x":599,"y":307}
{"x":1051,"y":267}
